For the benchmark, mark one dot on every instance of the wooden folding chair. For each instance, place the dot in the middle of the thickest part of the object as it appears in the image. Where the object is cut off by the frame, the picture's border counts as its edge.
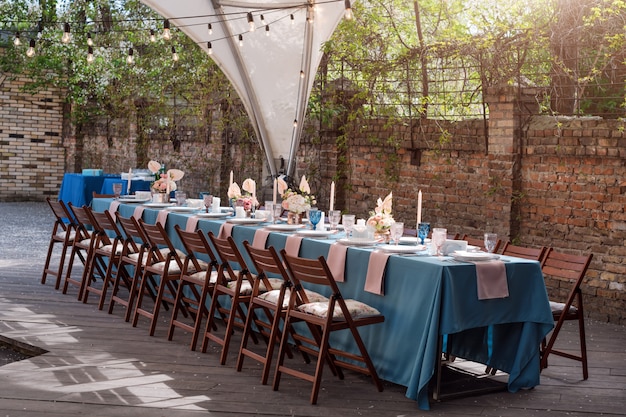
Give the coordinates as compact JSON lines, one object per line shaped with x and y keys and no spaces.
{"x":335,"y":315}
{"x":163,"y":263}
{"x":481,"y":243}
{"x":524,"y":251}
{"x":234,"y":281}
{"x":63,"y":232}
{"x":569,"y":271}
{"x":107,"y":251}
{"x":273,"y":303}
{"x":197,"y":280}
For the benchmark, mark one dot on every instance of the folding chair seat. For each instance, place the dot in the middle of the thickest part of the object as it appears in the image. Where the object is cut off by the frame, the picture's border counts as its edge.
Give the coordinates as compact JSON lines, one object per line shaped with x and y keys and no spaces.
{"x":163,"y":265}
{"x":132,"y":259}
{"x":481,"y":243}
{"x":569,"y":271}
{"x":524,"y":252}
{"x":334,"y":315}
{"x":197,"y":280}
{"x":83,"y":247}
{"x":235,"y":282}
{"x":107,"y":252}
{"x":63,"y":232}
{"x":274,"y":305}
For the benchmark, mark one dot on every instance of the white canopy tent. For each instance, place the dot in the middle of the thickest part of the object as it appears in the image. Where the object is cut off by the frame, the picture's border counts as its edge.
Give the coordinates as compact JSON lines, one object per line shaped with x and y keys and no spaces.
{"x":271,"y":67}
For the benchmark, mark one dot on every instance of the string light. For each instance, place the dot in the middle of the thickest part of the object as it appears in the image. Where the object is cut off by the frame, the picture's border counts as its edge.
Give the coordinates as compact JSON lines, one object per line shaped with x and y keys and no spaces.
{"x":17,"y":41}
{"x":210,"y":48}
{"x":240,"y":40}
{"x":152,"y":36}
{"x":130,"y":59}
{"x":262,"y":21}
{"x":66,"y":38}
{"x":267,"y":30}
{"x":301,"y":74}
{"x":166,"y":30}
{"x":251,"y":22}
{"x":90,"y":55}
{"x":174,"y":55}
{"x":210,"y":29}
{"x":348,"y":13}
{"x":31,"y":49}
{"x":89,"y":40}
{"x":293,"y":20}
{"x":295,"y":123}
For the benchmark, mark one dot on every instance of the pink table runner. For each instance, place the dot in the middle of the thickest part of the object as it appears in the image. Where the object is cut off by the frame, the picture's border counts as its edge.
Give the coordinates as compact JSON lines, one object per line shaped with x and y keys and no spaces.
{"x":138,"y":212}
{"x":226,"y":230}
{"x":292,"y":245}
{"x":192,"y":222}
{"x":162,"y":217}
{"x":491,"y":280}
{"x":336,"y":260}
{"x":260,"y":238}
{"x":376,"y":272}
{"x":113,"y":207}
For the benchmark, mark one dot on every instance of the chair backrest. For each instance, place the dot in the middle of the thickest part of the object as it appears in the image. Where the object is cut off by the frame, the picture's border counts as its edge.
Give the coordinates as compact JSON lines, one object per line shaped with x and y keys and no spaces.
{"x":267,"y":261}
{"x":536,"y":254}
{"x":63,"y":218}
{"x":84,"y":224}
{"x":567,"y":268}
{"x":97,"y":195}
{"x":196,"y":244}
{"x":104,"y":224}
{"x":229,"y":255}
{"x":134,"y":235}
{"x":158,"y":239}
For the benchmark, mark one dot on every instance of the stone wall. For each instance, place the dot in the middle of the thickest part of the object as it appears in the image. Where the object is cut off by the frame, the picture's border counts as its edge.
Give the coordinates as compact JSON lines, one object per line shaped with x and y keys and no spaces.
{"x":32,"y":156}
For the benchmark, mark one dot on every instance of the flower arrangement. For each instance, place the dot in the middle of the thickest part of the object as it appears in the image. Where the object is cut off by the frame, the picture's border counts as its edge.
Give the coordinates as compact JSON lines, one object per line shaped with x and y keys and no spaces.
{"x":165,"y":182}
{"x":248,"y":198}
{"x":381,"y":218}
{"x":296,"y":200}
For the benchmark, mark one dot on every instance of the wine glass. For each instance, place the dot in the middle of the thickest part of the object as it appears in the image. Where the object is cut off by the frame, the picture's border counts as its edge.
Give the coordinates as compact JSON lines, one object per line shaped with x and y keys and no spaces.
{"x":348,"y":221}
{"x":278,"y":211}
{"x":181,"y":198}
{"x":422,"y":231}
{"x":439,"y":238}
{"x":491,"y":239}
{"x":208,"y":200}
{"x":117,"y":189}
{"x":315,"y":216}
{"x":397,"y":230}
{"x":334,"y":216}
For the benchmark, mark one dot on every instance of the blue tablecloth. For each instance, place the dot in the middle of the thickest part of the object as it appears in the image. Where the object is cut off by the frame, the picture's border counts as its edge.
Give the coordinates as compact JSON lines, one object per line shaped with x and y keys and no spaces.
{"x":78,"y":188}
{"x":426,"y":297}
{"x":135,"y":185}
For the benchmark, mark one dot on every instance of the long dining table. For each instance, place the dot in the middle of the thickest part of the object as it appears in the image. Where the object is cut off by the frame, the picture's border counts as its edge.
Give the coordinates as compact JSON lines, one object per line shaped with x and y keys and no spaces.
{"x":425,"y":297}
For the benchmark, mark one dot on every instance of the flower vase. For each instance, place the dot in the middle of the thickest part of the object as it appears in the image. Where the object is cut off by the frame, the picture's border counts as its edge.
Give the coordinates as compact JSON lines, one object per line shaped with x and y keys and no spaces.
{"x":294,"y":218}
{"x":383,"y":236}
{"x":161,"y":197}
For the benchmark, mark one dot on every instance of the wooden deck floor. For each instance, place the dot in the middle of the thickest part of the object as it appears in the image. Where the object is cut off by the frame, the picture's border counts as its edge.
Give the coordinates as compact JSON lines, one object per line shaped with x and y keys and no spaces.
{"x":98,"y":365}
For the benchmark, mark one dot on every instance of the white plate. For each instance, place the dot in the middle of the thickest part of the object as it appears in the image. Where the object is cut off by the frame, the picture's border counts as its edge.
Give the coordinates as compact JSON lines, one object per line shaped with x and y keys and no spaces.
{"x":471,"y":248}
{"x":401,"y":248}
{"x":284,"y":227}
{"x":182,"y":209}
{"x":461,"y":255}
{"x":212,"y":215}
{"x":315,"y":233}
{"x":410,"y":240}
{"x":245,"y":220}
{"x":133,"y":200}
{"x":357,"y":242}
{"x":158,"y":205}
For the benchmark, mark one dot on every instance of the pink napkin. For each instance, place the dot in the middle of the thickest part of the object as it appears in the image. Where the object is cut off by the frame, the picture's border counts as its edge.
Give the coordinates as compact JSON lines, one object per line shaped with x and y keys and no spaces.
{"x":226,"y":230}
{"x":292,"y":245}
{"x":138,"y":212}
{"x":491,"y":280}
{"x":336,"y":260}
{"x":162,"y":217}
{"x":260,"y":238}
{"x":192,"y":222}
{"x":113,"y":207}
{"x":376,"y":272}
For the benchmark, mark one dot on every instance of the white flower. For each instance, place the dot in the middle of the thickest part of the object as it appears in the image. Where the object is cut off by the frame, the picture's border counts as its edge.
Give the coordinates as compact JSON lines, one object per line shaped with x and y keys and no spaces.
{"x":154,"y":166}
{"x":234,"y":191}
{"x":249,"y":185}
{"x":304,"y":185}
{"x":175,"y":174}
{"x":282,"y":186}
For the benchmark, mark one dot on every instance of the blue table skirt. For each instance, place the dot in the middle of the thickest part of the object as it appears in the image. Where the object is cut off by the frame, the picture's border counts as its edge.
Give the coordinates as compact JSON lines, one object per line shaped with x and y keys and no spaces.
{"x":78,"y":188}
{"x":426,"y":297}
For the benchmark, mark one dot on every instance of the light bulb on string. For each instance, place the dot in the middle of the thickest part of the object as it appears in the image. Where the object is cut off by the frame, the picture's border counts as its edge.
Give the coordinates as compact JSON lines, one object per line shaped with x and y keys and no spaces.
{"x":167,"y":35}
{"x":90,"y":55}
{"x":267,"y":30}
{"x":89,"y":40}
{"x":240,"y":40}
{"x":251,"y":22}
{"x":295,"y":123}
{"x":31,"y":49}
{"x":301,"y":74}
{"x":130,"y":59}
{"x":348,"y":13}
{"x":17,"y":41}
{"x":210,"y":48}
{"x":262,"y":21}
{"x":152,"y":36}
{"x":174,"y":55}
{"x":66,"y":38}
{"x":210,"y":29}
{"x":293,"y":19}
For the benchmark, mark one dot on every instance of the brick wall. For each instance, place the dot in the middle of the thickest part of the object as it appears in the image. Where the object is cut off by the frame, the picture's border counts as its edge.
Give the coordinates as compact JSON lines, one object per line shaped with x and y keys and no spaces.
{"x":31,"y":142}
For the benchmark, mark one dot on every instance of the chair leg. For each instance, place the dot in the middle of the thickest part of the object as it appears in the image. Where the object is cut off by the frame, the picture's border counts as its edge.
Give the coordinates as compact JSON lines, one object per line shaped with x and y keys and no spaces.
{"x":583,"y":338}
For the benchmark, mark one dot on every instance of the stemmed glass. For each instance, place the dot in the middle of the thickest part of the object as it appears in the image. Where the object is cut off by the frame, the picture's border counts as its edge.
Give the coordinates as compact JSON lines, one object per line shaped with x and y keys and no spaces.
{"x":439,"y":238}
{"x":208,"y":201}
{"x":348,"y":224}
{"x":397,"y":230}
{"x":491,"y":239}
{"x":117,"y":189}
{"x":315,"y":216}
{"x":278,"y":211}
{"x":422,"y":231}
{"x":334,"y":216}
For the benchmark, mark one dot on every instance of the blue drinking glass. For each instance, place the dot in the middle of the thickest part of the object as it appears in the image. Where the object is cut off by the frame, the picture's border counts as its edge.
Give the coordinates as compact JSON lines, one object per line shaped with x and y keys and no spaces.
{"x":422,"y":231}
{"x":315,"y":216}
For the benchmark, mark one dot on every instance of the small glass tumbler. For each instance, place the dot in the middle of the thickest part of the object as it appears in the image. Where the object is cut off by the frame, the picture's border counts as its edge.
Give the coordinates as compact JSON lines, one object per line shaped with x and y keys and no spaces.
{"x":181,"y":198}
{"x":439,"y":238}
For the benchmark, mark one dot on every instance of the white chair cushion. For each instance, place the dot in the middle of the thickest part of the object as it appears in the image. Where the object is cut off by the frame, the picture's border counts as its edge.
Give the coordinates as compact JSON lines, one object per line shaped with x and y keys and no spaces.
{"x":118,"y":248}
{"x":246,"y":287}
{"x":272,"y":297}
{"x":61,"y":235}
{"x":356,"y":308}
{"x":558,"y":307}
{"x":202,"y":276}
